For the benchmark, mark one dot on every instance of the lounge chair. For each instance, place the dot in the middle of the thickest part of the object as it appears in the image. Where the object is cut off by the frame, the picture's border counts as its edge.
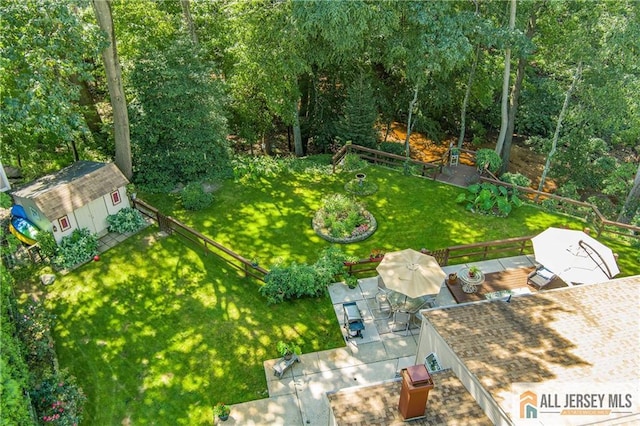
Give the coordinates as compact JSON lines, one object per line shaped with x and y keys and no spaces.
{"x":540,"y":277}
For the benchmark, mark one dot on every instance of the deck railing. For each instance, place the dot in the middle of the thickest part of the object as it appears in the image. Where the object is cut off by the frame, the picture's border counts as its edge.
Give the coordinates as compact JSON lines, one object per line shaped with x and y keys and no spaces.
{"x":431,"y":169}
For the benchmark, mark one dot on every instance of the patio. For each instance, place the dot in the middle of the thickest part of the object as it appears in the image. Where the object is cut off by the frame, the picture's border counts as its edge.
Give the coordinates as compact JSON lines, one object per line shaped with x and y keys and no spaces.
{"x":313,"y":391}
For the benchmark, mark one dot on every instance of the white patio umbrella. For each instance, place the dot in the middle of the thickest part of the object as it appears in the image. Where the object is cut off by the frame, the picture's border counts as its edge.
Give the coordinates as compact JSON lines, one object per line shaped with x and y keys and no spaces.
{"x":574,"y":256}
{"x":411,"y":273}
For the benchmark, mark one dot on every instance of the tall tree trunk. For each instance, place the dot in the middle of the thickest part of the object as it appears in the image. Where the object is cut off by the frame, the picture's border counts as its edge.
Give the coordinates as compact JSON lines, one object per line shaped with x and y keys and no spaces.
{"x":632,"y":203}
{"x":515,"y":95}
{"x":556,"y":134}
{"x":467,"y":94}
{"x":189,"y":21}
{"x":116,"y":91}
{"x":412,"y":105}
{"x":505,"y":84}
{"x":297,"y":135}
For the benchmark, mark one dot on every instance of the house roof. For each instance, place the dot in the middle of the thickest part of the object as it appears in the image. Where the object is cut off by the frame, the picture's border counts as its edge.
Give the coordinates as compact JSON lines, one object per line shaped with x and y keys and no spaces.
{"x":583,"y":333}
{"x":74,"y":186}
{"x":449,"y":403}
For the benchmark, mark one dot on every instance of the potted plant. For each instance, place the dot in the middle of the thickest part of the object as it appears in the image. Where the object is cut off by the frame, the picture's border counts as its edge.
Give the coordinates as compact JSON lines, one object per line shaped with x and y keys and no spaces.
{"x":473,"y":270}
{"x":287,"y":349}
{"x":221,"y":410}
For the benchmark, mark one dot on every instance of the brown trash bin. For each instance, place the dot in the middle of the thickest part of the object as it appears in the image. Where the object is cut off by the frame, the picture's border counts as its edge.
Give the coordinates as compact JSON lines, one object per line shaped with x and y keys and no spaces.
{"x":416,"y":384}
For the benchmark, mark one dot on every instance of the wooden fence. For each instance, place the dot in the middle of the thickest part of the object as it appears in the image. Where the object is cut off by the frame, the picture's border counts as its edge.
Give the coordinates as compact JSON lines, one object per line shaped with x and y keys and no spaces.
{"x":172,"y":226}
{"x":587,"y":211}
{"x":380,"y":157}
{"x":455,"y":254}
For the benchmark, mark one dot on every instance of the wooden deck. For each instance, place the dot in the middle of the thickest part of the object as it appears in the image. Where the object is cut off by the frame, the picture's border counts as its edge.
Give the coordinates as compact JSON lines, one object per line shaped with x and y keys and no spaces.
{"x":511,"y":279}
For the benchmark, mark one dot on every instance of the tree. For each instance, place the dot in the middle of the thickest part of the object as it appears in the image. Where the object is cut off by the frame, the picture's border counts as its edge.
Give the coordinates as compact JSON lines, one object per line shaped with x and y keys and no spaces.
{"x":563,"y":111}
{"x":43,"y":50}
{"x":632,"y":202}
{"x":178,"y":121}
{"x":102,"y":9}
{"x":359,"y":116}
{"x":504,"y":111}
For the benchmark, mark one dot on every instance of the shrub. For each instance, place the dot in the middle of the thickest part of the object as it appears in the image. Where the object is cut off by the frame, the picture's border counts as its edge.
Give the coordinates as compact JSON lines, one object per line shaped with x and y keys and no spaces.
{"x":392,"y":148}
{"x":488,"y":198}
{"x":15,"y":373}
{"x":34,"y":328}
{"x":58,"y":400}
{"x":488,"y":158}
{"x":329,"y":265}
{"x":126,"y":220}
{"x":516,"y":179}
{"x":47,"y":244}
{"x":194,"y":197}
{"x":76,"y":248}
{"x":283,"y":283}
{"x":5,"y":200}
{"x":365,"y":187}
{"x":353,"y":162}
{"x":252,"y":168}
{"x":298,"y":280}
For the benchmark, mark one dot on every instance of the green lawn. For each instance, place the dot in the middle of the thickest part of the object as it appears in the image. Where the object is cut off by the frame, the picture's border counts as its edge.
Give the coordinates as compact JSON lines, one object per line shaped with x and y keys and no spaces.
{"x":158,"y":330}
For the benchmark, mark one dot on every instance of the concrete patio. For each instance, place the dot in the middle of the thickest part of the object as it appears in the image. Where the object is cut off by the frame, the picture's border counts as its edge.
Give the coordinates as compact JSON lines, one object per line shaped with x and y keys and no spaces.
{"x":300,"y":397}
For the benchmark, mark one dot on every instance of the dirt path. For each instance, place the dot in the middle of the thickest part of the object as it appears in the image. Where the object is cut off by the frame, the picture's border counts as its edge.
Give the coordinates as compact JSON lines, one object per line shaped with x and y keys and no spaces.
{"x":522,"y":160}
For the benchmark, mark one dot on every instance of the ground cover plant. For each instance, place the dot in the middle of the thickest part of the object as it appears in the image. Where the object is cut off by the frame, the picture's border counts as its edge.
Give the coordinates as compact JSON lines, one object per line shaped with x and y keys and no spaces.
{"x":156,"y":329}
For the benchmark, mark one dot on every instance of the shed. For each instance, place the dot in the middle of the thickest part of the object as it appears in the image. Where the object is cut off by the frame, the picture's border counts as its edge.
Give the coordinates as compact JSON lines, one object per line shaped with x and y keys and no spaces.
{"x":81,"y":195}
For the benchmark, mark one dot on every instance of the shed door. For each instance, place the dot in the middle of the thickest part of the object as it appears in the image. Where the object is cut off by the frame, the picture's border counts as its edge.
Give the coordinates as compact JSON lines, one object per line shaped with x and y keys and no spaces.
{"x":93,"y":216}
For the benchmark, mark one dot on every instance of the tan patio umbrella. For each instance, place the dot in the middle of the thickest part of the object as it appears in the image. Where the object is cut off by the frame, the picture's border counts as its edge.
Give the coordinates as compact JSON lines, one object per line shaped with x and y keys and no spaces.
{"x":411,"y":273}
{"x":574,"y":256}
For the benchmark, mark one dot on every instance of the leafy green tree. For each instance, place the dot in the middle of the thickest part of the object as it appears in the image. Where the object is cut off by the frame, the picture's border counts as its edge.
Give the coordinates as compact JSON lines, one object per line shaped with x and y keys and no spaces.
{"x":178,"y":123}
{"x":359,"y":116}
{"x":44,"y":45}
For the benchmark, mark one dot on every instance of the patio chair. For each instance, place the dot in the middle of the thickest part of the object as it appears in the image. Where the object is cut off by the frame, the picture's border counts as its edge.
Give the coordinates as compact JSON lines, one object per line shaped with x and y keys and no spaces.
{"x":353,"y":323}
{"x":384,"y":307}
{"x":402,"y":319}
{"x":540,"y":277}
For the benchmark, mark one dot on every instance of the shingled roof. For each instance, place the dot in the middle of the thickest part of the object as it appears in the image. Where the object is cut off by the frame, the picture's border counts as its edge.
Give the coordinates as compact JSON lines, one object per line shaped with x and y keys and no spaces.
{"x":74,"y":186}
{"x":585,"y":333}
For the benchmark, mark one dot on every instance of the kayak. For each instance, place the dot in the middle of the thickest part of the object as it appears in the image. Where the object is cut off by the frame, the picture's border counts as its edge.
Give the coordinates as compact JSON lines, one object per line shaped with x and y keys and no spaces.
{"x":24,"y":230}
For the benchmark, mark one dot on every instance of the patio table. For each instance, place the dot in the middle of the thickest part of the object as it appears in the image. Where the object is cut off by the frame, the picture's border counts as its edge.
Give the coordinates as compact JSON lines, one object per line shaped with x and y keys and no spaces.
{"x":470,"y":283}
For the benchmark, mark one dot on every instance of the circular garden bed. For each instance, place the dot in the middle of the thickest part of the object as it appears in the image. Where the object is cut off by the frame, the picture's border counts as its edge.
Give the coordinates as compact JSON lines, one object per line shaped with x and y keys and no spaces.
{"x":343,"y":220}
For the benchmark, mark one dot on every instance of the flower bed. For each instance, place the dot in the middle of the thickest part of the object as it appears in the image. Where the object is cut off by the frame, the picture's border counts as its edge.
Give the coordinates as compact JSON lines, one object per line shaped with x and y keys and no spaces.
{"x":342,"y":220}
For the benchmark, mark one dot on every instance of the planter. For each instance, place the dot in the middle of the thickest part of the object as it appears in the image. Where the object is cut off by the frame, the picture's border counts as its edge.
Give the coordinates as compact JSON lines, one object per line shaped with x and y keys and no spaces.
{"x":224,"y":418}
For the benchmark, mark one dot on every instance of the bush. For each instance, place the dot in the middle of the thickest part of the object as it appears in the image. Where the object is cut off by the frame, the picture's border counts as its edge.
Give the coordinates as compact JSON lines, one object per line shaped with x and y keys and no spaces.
{"x":47,"y":244}
{"x":252,"y":168}
{"x":365,"y":187}
{"x":126,"y":220}
{"x":392,"y":148}
{"x":298,"y":280}
{"x":194,"y":198}
{"x":15,"y":373}
{"x":34,"y":328}
{"x":516,"y":179}
{"x":353,"y":162}
{"x":488,"y":198}
{"x":76,"y":248}
{"x":58,"y":400}
{"x":488,"y":158}
{"x":5,"y":200}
